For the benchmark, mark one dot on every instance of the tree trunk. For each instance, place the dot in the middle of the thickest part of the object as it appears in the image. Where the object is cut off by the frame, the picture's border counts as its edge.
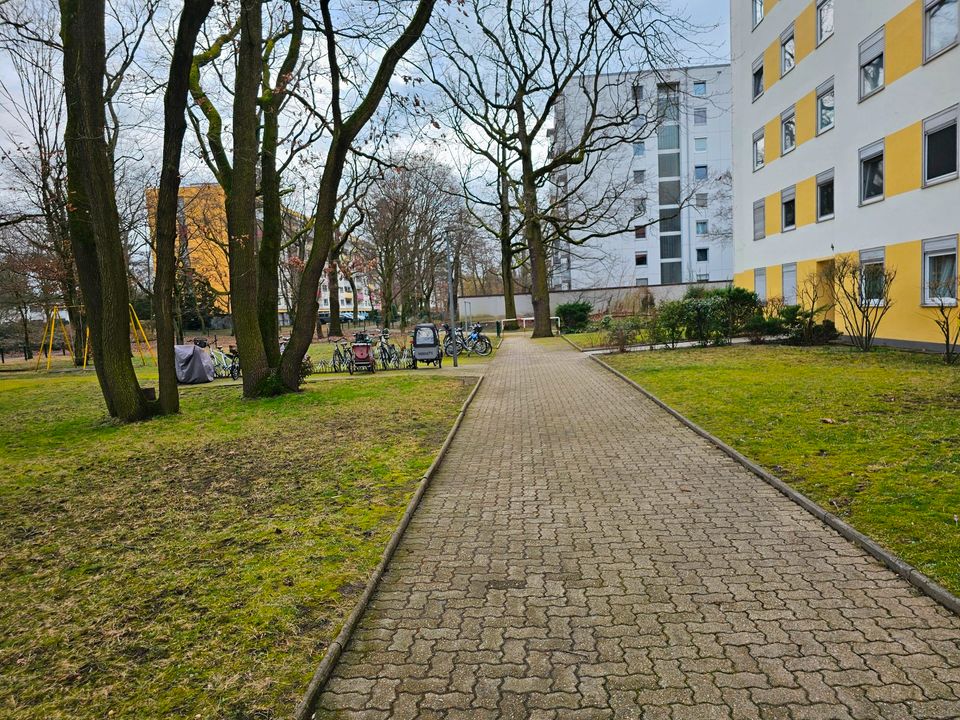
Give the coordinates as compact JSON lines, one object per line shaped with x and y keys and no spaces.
{"x":506,"y":255}
{"x":174,"y":126}
{"x":532,"y":232}
{"x":241,"y":205}
{"x":386,"y":301}
{"x":94,"y":221}
{"x":333,"y":282}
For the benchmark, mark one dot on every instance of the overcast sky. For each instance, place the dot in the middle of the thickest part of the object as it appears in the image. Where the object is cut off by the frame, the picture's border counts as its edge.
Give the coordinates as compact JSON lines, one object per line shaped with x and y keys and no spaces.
{"x":714,"y":14}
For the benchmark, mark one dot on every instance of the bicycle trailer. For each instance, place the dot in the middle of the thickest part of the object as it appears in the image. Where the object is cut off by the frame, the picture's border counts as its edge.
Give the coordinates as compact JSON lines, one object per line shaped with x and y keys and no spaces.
{"x":362,"y":354}
{"x":426,"y":345}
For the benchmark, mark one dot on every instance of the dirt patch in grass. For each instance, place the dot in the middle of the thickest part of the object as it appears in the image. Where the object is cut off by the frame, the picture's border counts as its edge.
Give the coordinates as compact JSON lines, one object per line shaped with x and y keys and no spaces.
{"x":197,"y":565}
{"x":873,"y":438}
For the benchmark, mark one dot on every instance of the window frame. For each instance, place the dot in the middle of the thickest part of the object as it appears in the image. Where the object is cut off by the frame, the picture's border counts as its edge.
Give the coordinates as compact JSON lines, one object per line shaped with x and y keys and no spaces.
{"x":705,"y":251}
{"x":787,"y":36}
{"x":759,"y":136}
{"x":867,"y":153}
{"x":640,"y":148}
{"x":822,"y":179}
{"x":933,"y":124}
{"x":640,"y":206}
{"x":702,"y":196}
{"x":759,"y":273}
{"x":706,"y":172}
{"x":639,"y":232}
{"x":927,"y":56}
{"x":871,"y":256}
{"x":755,"y":68}
{"x":699,"y":84}
{"x":871,"y":48}
{"x":825,"y":88}
{"x":783,"y":282}
{"x":788,"y":116}
{"x":758,"y":13}
{"x":699,"y":113}
{"x":706,"y":227}
{"x":821,"y":38}
{"x":760,"y":230}
{"x":640,"y":176}
{"x":788,"y":194}
{"x":697,"y":140}
{"x":637,"y":256}
{"x":938,"y":247}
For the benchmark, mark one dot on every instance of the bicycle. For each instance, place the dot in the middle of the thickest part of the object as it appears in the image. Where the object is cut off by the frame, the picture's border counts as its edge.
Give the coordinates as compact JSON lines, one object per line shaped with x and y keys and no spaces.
{"x":342,"y":356}
{"x":387,"y":352}
{"x":225,"y":364}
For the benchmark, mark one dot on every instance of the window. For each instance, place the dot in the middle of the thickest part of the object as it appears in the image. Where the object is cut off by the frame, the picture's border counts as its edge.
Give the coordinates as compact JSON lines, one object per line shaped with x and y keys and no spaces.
{"x":760,"y":283}
{"x":700,"y":144}
{"x":670,"y":273}
{"x":940,"y":271}
{"x":700,"y":88}
{"x":940,"y":147}
{"x":757,"y":12}
{"x":873,"y":278}
{"x":871,"y":64}
{"x":699,"y":116}
{"x":758,"y":150}
{"x":871,"y":173}
{"x":639,"y":176}
{"x":825,"y":107}
{"x":788,"y":131}
{"x":668,"y":102}
{"x":788,"y":52}
{"x":700,"y":172}
{"x":642,"y":282}
{"x":638,"y":93}
{"x":640,"y":232}
{"x":759,"y":220}
{"x":640,"y":206}
{"x":825,"y":196}
{"x":941,"y":26}
{"x":670,"y":223}
{"x":702,"y":227}
{"x":639,"y":149}
{"x":789,"y":278}
{"x":758,"y":78}
{"x":668,"y":137}
{"x":669,"y":164}
{"x":640,"y":259}
{"x":824,"y":20}
{"x":669,"y":192}
{"x":701,"y":200}
{"x":788,"y":201}
{"x":670,"y":247}
{"x":703,"y":254}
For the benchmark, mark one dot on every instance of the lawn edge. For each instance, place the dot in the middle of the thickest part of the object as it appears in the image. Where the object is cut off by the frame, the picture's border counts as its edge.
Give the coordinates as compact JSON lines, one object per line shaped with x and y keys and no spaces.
{"x":905,"y":570}
{"x":307,"y":706}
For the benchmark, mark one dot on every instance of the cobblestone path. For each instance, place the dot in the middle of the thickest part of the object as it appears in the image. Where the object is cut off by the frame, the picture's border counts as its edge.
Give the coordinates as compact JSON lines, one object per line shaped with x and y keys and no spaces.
{"x":581,"y":554}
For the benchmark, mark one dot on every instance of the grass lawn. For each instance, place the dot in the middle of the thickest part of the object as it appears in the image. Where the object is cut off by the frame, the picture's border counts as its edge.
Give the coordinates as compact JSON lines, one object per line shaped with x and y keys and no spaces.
{"x":875,"y":439}
{"x":195,"y":566}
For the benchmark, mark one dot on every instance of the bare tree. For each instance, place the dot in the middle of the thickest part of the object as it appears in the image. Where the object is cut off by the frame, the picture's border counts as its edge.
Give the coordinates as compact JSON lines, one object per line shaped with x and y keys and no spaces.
{"x":505,"y":70}
{"x":863,"y":297}
{"x":942,"y":293}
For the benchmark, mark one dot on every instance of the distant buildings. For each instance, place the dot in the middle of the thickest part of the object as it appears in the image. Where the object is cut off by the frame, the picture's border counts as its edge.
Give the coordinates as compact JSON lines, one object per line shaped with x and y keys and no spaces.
{"x":202,"y":250}
{"x":846,"y":145}
{"x":671,"y":223}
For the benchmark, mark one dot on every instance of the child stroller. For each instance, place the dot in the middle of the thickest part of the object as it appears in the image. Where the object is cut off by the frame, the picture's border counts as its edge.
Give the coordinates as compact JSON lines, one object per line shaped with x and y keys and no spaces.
{"x":362,"y":354}
{"x":426,"y":345}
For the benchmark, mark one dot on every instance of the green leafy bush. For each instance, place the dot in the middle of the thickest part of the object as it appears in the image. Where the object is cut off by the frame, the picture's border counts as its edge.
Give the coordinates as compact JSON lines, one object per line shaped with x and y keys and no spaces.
{"x":623,"y":332}
{"x":670,"y":323}
{"x":574,"y":316}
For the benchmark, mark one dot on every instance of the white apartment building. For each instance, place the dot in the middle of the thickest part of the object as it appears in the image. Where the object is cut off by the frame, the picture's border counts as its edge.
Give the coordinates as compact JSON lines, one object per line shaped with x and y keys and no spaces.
{"x":672,"y":221}
{"x":846,"y":146}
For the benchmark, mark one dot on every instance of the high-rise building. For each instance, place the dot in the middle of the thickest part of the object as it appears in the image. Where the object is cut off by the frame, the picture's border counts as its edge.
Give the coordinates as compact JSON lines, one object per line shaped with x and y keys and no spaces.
{"x":668,"y":218}
{"x":846,"y":148}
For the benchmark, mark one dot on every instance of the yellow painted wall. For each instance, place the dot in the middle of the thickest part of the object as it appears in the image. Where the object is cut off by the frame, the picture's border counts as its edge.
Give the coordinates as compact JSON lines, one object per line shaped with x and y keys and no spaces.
{"x":771,"y":65}
{"x":772,"y":211}
{"x":807,"y":117}
{"x":771,"y":139}
{"x":744,"y":279}
{"x":807,"y":202}
{"x":904,"y":42}
{"x":805,"y":31}
{"x":906,"y":320}
{"x":768,"y":5}
{"x":903,"y":165}
{"x":774,"y":282}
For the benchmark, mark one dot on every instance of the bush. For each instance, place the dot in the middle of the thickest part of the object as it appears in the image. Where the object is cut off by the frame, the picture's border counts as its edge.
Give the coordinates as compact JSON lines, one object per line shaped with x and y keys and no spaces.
{"x":759,"y":327}
{"x":574,"y":316}
{"x":706,"y":319}
{"x":670,"y":323}
{"x":621,"y":333}
{"x":801,"y":325}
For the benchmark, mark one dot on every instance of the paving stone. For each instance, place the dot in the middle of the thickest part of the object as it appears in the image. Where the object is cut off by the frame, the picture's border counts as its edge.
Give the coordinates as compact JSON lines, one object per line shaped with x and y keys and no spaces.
{"x":581,"y":555}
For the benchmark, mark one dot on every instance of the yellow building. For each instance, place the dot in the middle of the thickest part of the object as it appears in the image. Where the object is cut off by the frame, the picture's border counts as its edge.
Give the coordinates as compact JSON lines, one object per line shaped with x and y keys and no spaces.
{"x":201,"y":234}
{"x":845,"y":120}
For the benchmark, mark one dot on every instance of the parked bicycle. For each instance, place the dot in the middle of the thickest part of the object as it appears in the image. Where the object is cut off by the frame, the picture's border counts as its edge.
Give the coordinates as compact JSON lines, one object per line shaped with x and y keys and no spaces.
{"x":225,"y":364}
{"x":342,"y":356}
{"x":475,"y":342}
{"x":387,"y":353}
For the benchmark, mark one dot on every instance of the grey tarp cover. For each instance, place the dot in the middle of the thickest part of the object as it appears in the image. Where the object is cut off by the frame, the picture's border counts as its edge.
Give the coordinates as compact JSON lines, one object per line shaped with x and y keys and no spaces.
{"x":193,"y":364}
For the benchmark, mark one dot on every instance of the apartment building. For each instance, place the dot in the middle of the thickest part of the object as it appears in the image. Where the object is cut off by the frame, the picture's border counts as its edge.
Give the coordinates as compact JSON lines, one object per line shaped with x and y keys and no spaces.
{"x":846,"y":118}
{"x":672,"y":219}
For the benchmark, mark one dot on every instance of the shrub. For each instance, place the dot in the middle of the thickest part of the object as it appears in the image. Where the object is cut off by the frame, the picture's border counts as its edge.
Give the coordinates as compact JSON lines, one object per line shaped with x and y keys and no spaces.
{"x":574,"y":316}
{"x":670,"y":323}
{"x":621,"y":333}
{"x":706,"y":319}
{"x":759,"y":327}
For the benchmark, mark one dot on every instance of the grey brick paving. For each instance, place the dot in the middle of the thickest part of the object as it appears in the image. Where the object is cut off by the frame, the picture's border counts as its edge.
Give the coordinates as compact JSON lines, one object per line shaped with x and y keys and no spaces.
{"x":581,"y":554}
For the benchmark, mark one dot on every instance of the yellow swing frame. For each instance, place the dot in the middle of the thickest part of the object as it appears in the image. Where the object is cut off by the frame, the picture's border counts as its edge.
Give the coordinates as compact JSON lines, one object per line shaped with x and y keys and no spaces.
{"x":139,"y":337}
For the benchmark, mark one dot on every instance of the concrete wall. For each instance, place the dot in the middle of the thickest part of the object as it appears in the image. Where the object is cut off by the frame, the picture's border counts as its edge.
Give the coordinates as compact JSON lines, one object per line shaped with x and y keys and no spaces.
{"x":603,"y":299}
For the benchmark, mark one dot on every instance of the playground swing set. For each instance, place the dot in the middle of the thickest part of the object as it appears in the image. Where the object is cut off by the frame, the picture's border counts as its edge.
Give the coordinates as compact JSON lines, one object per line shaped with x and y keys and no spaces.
{"x":49,"y":329}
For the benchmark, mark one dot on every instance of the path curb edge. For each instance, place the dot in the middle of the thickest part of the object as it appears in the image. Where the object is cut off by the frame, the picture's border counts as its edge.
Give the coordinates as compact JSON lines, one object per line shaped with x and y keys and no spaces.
{"x":902,"y":568}
{"x":307,"y":706}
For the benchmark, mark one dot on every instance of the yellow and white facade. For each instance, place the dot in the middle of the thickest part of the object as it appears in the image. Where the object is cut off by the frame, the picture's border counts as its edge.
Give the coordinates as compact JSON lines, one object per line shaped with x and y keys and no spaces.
{"x":845,"y":120}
